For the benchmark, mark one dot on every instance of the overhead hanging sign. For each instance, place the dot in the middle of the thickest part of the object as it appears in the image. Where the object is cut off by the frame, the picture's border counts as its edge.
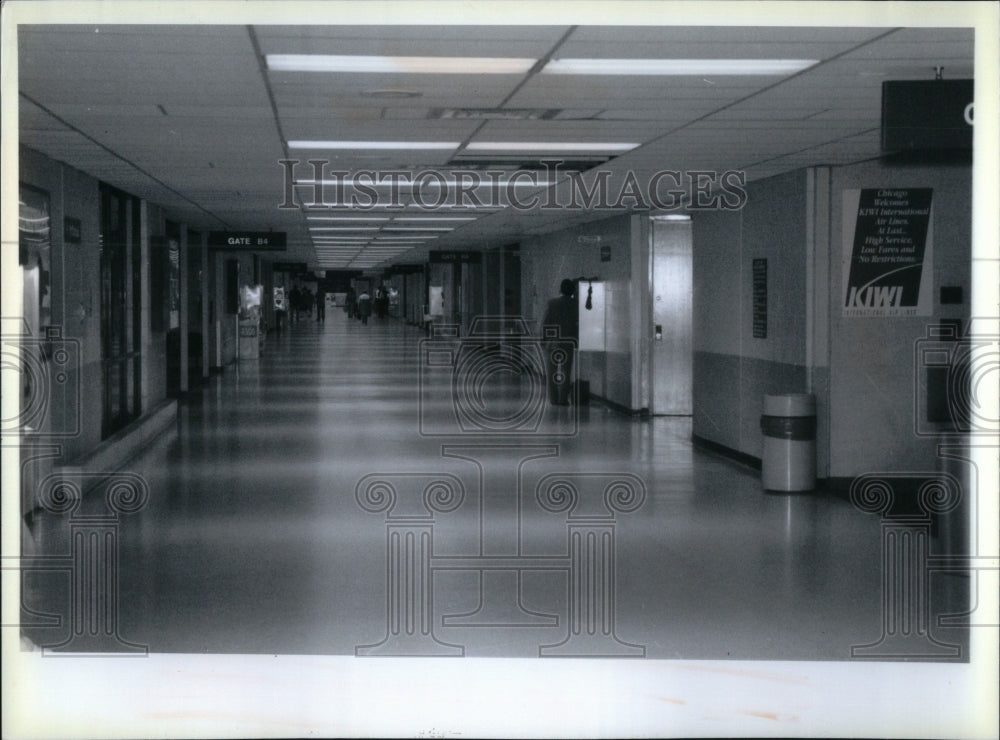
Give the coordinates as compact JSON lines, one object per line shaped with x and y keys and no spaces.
{"x":250,"y":241}
{"x":455,"y":256}
{"x":289,"y":267}
{"x":887,"y":252}
{"x":927,"y":115}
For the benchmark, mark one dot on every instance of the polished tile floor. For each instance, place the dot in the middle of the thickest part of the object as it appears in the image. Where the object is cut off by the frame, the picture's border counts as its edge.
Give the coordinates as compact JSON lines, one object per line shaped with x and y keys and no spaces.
{"x":351,"y":494}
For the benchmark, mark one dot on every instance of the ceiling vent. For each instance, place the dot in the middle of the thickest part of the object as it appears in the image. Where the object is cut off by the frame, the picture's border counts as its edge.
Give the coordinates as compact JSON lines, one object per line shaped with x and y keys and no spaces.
{"x":494,"y":114}
{"x":520,"y":163}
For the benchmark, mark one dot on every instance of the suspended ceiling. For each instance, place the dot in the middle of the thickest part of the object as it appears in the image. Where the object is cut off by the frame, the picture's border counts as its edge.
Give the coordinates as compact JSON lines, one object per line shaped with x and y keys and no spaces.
{"x":196,"y":118}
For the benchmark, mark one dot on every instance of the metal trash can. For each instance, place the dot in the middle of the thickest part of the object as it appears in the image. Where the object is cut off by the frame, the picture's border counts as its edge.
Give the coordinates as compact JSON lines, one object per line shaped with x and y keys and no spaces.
{"x":788,"y":462}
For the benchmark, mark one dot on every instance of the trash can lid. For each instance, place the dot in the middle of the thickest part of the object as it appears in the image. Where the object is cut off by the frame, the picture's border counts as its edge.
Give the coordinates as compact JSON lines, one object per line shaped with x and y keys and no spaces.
{"x":790,"y":404}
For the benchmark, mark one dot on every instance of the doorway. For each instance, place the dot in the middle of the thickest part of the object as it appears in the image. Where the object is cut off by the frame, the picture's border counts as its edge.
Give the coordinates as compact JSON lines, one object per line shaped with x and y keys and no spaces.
{"x":671,"y":351}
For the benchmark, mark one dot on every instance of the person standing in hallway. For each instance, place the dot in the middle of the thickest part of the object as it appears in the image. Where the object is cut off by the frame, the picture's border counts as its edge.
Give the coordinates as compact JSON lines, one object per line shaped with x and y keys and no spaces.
{"x":560,"y":330}
{"x":320,"y":303}
{"x":364,"y":306}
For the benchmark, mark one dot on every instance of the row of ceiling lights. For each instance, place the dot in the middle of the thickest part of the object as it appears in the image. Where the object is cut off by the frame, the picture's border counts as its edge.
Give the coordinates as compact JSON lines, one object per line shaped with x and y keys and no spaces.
{"x":512,"y":65}
{"x":336,"y":248}
{"x":343,"y":63}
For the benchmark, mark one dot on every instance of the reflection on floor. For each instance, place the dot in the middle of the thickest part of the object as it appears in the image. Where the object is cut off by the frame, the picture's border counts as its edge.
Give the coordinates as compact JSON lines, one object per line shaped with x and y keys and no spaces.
{"x":345,"y":494}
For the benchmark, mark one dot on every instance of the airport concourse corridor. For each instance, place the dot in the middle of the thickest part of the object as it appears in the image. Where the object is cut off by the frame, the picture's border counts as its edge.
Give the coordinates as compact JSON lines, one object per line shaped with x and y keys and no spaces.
{"x":345,"y":495}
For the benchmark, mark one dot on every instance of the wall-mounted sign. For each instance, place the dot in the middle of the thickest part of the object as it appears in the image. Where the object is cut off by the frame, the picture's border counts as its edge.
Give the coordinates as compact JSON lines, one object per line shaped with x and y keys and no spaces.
{"x":760,"y":299}
{"x":606,"y":253}
{"x":72,"y":230}
{"x":887,"y":252}
{"x":250,"y":241}
{"x":455,"y":257}
{"x":589,"y":239}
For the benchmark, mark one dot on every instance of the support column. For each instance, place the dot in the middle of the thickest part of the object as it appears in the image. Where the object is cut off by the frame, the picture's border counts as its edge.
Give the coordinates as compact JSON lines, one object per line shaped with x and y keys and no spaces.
{"x":640,"y":300}
{"x":184,"y":308}
{"x":145,"y":329}
{"x":205,"y":273}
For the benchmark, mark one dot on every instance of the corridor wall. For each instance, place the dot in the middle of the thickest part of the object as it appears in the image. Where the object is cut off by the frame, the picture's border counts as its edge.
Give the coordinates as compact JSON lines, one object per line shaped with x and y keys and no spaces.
{"x":862,"y":369}
{"x":574,"y":252}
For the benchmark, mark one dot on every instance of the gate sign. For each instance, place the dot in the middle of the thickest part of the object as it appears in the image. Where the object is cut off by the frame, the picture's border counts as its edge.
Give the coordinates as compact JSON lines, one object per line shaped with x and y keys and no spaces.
{"x":455,"y":256}
{"x":887,"y":252}
{"x":250,"y":241}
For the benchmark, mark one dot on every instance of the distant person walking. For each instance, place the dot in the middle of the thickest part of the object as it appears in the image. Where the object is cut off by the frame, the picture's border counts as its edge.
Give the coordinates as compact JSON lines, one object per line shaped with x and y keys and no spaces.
{"x":321,"y":304}
{"x":294,"y":303}
{"x":560,"y":330}
{"x":364,"y":306}
{"x":382,"y":302}
{"x":307,"y":302}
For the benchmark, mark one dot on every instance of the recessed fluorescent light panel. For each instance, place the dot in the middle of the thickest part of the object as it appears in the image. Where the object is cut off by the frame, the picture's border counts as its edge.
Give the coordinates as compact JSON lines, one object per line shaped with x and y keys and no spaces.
{"x":433,"y":218}
{"x":397,"y":65}
{"x":344,"y":228}
{"x":368,"y":145}
{"x":393,"y":229}
{"x":347,"y":218}
{"x":524,"y":178}
{"x":677,"y":66}
{"x":548,"y":146}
